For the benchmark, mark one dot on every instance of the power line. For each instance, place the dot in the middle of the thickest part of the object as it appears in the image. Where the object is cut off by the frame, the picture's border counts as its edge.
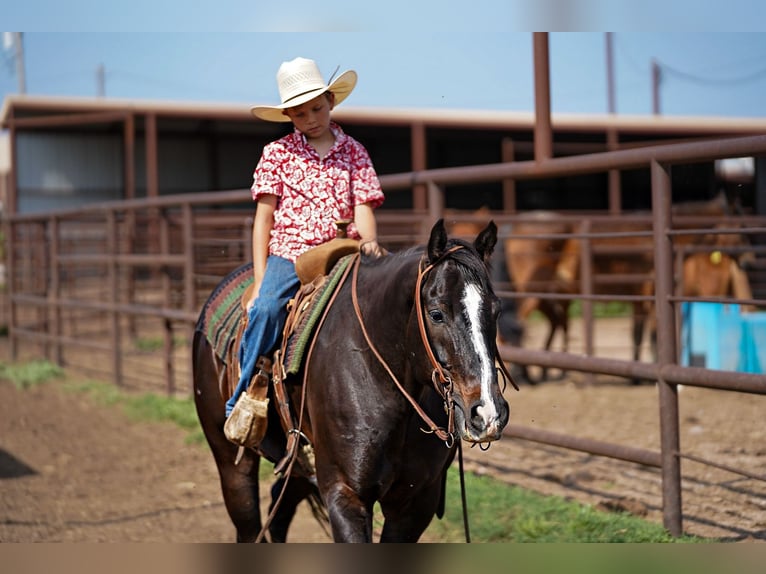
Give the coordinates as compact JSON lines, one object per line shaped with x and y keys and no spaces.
{"x":745,"y":79}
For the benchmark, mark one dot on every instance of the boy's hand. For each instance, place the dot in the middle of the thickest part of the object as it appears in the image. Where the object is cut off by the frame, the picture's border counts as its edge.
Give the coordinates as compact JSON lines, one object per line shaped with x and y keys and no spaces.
{"x":370,"y":248}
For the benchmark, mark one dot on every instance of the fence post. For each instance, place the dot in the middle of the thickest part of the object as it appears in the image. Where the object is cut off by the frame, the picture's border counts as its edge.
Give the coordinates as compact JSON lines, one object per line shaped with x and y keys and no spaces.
{"x":666,"y":348}
{"x":10,"y":232}
{"x":167,"y":296}
{"x":113,"y":282}
{"x":54,"y":290}
{"x":587,"y":287}
{"x":435,"y":206}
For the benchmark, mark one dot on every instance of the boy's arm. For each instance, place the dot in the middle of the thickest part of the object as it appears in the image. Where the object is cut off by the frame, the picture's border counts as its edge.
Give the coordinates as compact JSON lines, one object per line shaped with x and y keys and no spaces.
{"x":262,"y":225}
{"x":364,"y":219}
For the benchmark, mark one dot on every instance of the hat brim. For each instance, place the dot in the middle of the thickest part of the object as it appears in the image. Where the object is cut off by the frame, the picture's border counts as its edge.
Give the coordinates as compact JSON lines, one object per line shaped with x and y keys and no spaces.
{"x":342,"y":87}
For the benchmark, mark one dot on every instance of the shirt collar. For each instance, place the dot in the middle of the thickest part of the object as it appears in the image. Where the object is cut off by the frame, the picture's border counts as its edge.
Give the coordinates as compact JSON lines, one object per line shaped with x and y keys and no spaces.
{"x":340,"y":136}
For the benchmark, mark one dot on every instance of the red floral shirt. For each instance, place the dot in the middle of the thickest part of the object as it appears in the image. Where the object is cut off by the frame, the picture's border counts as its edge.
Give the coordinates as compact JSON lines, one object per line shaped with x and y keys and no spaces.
{"x":313,"y":193}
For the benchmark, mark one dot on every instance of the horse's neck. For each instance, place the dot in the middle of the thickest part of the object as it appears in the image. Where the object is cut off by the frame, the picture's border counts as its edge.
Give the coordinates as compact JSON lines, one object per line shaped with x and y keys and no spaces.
{"x":386,"y":293}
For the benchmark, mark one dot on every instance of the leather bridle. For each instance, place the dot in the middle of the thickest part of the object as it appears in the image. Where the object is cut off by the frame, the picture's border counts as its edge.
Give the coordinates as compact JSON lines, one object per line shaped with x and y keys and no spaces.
{"x":440,"y":379}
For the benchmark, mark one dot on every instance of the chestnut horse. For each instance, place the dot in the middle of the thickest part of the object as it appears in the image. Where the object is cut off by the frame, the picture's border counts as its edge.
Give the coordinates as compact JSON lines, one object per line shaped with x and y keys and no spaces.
{"x":406,"y":346}
{"x":550,"y":263}
{"x":542,"y":257}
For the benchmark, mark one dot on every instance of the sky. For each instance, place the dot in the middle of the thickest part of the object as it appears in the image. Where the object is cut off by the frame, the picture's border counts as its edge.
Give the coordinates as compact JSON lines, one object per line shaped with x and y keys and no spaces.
{"x":427,"y":56}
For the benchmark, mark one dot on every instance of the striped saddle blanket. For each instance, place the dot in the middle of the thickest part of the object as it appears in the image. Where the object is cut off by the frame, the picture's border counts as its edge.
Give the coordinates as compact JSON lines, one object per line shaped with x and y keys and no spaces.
{"x":223,"y":313}
{"x":223,"y":316}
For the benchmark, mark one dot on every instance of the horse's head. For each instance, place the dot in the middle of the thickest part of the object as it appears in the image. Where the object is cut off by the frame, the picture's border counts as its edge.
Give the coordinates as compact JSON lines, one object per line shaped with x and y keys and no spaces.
{"x":459,"y":310}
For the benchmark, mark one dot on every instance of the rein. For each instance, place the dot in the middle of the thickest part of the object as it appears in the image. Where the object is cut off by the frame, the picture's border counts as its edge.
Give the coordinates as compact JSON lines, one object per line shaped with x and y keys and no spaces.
{"x":295,"y":434}
{"x":445,"y":390}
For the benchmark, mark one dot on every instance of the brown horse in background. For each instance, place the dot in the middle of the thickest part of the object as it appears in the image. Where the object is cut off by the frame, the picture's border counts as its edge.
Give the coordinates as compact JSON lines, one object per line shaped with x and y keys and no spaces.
{"x":541,"y":257}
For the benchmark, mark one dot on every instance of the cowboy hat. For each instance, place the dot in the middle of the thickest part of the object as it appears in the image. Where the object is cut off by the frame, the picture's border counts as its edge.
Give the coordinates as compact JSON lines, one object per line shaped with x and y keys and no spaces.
{"x":299,"y":81}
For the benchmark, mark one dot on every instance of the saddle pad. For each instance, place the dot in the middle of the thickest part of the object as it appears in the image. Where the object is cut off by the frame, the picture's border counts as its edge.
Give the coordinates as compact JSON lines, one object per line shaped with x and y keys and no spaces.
{"x":303,"y":332}
{"x":223,"y":311}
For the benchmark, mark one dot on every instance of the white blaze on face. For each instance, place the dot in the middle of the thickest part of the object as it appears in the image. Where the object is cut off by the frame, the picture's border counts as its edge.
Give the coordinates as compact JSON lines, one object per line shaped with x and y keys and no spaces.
{"x":472,"y":303}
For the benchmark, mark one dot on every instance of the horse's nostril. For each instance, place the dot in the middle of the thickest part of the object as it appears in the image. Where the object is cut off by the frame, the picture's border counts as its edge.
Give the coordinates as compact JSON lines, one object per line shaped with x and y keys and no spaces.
{"x":477,"y":415}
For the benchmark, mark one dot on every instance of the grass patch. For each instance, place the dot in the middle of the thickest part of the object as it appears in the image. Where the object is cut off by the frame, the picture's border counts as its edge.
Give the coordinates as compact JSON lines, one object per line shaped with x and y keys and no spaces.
{"x":151,"y":344}
{"x":603,"y":309}
{"x":25,"y":375}
{"x":146,"y":407}
{"x":501,"y":513}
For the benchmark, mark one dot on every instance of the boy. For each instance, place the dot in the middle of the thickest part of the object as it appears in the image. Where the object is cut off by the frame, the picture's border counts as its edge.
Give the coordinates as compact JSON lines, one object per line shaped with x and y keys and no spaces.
{"x":303,"y":183}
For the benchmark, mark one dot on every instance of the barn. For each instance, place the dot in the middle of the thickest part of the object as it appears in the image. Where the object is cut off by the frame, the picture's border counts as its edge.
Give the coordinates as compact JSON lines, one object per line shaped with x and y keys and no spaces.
{"x":64,"y":152}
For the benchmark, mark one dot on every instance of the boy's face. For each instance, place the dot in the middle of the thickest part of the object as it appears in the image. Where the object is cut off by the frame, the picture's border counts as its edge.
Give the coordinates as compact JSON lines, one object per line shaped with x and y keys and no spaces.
{"x":312,"y":119}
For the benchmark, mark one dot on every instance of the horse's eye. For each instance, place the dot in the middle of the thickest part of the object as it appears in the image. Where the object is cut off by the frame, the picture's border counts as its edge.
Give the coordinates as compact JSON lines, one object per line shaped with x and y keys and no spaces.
{"x":436,"y":316}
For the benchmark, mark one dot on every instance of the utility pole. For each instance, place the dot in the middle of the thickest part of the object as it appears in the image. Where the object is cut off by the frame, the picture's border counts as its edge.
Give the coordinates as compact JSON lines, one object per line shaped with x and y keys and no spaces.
{"x":100,"y":81}
{"x":543,"y":136}
{"x":612,"y":137}
{"x":612,"y":106}
{"x":656,"y":79}
{"x":18,"y":48}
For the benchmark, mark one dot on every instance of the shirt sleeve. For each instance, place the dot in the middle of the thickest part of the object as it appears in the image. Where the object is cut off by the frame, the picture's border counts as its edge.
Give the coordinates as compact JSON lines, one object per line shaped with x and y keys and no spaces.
{"x":266,"y":177}
{"x":365,"y":185}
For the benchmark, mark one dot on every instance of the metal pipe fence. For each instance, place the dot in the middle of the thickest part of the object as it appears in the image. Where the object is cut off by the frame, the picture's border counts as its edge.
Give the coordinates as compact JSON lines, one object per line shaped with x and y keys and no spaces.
{"x":101,"y":277}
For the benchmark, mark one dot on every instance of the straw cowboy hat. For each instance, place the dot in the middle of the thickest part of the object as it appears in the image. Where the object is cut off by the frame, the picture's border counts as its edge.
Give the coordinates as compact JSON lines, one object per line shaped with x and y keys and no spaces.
{"x":299,"y":81}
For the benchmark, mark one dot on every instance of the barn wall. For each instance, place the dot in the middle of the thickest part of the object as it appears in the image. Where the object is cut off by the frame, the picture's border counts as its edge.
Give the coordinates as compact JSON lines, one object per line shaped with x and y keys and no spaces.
{"x":66,"y":170}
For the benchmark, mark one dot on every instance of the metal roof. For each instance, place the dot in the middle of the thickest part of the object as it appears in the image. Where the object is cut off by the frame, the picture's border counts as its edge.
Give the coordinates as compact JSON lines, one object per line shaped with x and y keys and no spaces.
{"x":30,"y":105}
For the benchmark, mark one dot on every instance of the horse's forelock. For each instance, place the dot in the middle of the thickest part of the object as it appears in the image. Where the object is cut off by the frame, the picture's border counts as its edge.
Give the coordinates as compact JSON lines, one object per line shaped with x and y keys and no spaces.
{"x":470,"y":263}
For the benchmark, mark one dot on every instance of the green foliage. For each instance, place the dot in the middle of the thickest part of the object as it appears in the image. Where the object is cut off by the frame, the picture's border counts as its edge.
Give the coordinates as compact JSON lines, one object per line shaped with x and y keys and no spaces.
{"x":602,"y":309}
{"x":501,"y":513}
{"x":151,"y":344}
{"x":25,"y":375}
{"x":146,"y":407}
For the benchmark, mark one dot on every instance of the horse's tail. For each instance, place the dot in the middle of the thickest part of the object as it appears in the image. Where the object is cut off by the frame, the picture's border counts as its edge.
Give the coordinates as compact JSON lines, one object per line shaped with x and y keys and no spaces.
{"x":319,"y":511}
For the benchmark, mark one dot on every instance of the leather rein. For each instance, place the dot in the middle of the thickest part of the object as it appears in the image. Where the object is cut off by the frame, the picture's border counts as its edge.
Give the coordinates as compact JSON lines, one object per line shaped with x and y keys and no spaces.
{"x":440,"y":379}
{"x":442,"y":382}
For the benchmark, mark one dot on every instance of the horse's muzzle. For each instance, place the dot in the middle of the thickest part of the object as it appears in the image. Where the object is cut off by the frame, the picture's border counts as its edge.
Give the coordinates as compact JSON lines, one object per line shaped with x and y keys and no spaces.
{"x":485,"y":423}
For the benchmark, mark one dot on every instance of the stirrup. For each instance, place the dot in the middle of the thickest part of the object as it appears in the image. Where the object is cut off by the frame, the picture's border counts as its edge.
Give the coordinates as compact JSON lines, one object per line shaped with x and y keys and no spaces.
{"x":246,"y":425}
{"x":248,"y":421}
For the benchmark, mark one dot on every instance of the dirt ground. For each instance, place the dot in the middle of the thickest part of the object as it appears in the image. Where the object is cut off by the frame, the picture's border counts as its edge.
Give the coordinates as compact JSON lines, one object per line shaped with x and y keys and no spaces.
{"x":75,"y":471}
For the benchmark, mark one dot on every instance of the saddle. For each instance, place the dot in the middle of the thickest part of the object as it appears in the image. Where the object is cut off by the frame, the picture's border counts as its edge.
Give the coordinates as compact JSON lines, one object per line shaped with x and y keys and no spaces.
{"x":319,"y":271}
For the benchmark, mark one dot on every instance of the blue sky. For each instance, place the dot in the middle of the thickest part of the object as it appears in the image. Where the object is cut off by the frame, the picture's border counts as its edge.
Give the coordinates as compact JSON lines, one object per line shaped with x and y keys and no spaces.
{"x":439,"y":59}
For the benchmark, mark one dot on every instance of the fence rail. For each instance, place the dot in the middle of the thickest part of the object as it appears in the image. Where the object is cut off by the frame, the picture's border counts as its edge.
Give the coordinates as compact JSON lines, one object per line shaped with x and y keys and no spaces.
{"x":101,"y":276}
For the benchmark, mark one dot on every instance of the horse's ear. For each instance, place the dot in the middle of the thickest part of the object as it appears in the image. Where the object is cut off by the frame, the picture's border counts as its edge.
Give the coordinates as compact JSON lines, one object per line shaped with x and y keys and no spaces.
{"x":486,"y":240}
{"x":437,"y":243}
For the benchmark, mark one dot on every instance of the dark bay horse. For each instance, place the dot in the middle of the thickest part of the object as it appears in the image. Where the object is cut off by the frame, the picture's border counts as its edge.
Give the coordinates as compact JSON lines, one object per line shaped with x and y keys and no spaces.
{"x":407,"y":346}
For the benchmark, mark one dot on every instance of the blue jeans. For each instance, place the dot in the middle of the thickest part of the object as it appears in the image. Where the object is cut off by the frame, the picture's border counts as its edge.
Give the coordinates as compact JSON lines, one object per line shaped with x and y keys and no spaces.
{"x":266,"y":319}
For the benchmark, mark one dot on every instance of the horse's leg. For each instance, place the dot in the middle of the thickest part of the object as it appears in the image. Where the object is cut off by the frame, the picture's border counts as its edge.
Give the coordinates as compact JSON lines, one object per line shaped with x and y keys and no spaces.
{"x":558,"y":317}
{"x":298,"y":489}
{"x":408,"y":523}
{"x":564,"y":330}
{"x":239,"y":483}
{"x":526,"y":307}
{"x":350,"y":517}
{"x":639,"y":323}
{"x":549,"y":310}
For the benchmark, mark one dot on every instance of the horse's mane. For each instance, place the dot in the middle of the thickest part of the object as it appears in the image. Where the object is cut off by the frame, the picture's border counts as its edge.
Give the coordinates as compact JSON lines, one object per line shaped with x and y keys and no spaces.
{"x":469,"y":262}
